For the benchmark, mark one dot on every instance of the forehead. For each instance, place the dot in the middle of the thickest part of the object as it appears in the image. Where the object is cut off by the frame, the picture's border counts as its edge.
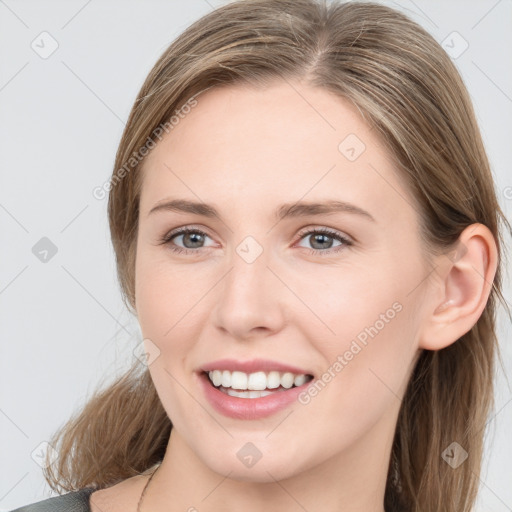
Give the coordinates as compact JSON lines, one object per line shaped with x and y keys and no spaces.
{"x":282,"y":142}
{"x":286,"y":119}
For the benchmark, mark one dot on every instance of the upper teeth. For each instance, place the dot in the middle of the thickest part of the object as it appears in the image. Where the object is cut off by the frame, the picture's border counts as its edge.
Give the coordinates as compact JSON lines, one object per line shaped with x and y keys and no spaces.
{"x":256,"y":381}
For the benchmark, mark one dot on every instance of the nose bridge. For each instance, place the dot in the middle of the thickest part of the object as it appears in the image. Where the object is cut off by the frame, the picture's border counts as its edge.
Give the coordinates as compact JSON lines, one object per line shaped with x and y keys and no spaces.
{"x":248,"y":296}
{"x":247,"y":280}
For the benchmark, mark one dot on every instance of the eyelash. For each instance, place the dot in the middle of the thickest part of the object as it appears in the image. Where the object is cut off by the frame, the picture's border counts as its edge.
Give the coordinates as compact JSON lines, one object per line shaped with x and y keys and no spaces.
{"x":317,"y":252}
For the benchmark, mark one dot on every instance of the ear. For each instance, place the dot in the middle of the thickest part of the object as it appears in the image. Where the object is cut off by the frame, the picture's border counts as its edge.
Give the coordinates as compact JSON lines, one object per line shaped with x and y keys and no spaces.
{"x":462,"y":284}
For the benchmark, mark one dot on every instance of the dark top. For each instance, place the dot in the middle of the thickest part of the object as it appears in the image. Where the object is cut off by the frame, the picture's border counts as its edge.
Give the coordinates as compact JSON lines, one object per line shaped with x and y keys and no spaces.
{"x":76,"y":501}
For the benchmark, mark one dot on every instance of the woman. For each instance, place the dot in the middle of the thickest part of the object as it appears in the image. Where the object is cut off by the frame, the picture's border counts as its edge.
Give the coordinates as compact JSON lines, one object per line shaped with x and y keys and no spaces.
{"x":306,"y":228}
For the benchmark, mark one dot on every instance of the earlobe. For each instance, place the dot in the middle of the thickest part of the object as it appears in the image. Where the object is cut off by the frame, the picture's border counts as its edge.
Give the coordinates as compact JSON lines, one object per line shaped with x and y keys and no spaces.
{"x":464,"y":282}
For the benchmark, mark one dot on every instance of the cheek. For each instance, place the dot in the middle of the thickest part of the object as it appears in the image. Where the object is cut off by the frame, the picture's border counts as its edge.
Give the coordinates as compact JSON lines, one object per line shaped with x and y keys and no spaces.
{"x":171,"y":313}
{"x":165,"y":295}
{"x":166,"y":317}
{"x":365,"y":376}
{"x":337,"y":304}
{"x":368,"y":359}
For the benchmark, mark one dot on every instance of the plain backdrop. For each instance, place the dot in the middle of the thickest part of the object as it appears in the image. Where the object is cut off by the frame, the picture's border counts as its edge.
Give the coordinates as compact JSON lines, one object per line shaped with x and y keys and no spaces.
{"x":62,"y":111}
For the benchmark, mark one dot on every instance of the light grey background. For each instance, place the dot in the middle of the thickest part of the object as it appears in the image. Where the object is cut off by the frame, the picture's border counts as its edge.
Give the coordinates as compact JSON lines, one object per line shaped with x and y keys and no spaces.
{"x":63,"y":325}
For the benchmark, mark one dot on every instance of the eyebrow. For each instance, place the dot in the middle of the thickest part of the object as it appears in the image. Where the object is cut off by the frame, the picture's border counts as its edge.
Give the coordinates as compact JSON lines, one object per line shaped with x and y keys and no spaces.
{"x":288,"y":210}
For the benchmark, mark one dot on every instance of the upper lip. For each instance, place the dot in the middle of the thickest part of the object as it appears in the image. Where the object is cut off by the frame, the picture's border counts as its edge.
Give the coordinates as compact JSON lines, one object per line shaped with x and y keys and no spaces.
{"x":252,"y":366}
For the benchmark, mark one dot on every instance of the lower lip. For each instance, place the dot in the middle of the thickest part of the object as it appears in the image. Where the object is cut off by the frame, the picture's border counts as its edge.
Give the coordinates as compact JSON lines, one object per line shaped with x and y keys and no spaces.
{"x":249,"y":408}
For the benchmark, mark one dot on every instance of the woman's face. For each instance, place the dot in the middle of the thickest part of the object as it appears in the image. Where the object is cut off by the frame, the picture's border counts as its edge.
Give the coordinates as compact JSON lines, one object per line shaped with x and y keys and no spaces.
{"x":257,"y":286}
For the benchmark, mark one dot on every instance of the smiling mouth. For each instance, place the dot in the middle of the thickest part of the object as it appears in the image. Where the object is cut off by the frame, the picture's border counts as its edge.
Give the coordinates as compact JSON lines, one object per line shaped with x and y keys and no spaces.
{"x":255,"y":385}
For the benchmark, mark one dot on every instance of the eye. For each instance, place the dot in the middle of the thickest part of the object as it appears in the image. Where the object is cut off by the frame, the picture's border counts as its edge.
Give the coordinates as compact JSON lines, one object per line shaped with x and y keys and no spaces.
{"x":192,"y":238}
{"x":322,"y":238}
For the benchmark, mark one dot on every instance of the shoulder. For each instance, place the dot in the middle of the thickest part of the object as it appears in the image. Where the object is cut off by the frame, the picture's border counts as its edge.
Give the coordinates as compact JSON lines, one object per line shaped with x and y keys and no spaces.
{"x":76,"y":501}
{"x":120,"y":497}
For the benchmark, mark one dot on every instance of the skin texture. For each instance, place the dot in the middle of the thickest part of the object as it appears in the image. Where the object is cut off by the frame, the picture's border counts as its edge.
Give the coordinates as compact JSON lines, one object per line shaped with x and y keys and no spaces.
{"x":247,"y":151}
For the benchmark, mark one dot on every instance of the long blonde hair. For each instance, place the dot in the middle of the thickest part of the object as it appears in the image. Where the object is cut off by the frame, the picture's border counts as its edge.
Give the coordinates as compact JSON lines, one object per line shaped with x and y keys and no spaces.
{"x":410,"y":92}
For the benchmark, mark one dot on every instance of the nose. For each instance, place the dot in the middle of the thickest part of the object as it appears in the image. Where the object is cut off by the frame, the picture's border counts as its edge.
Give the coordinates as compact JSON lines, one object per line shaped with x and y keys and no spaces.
{"x":249,"y":301}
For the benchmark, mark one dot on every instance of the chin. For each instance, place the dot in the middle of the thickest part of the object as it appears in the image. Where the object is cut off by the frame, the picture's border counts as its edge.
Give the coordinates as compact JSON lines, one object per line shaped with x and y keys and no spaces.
{"x":267,"y":469}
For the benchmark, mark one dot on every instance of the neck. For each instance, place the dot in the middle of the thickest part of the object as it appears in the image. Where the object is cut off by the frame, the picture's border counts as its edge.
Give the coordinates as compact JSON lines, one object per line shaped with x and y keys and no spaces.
{"x":351,"y":481}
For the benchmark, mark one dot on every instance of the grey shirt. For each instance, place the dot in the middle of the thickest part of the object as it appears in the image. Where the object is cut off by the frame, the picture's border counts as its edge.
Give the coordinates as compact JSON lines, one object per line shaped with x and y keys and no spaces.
{"x":75,"y":501}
